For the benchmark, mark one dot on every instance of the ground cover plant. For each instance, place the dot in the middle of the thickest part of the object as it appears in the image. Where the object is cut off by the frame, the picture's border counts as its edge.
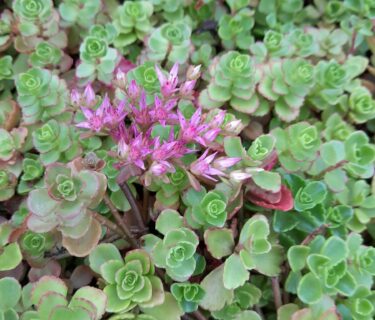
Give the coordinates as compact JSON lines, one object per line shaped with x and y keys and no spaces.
{"x":180,"y":159}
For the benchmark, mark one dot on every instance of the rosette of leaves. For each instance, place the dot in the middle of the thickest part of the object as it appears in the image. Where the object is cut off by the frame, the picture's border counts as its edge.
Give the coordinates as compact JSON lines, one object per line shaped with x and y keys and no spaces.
{"x":146,"y":77}
{"x":130,"y":282}
{"x":333,"y":78}
{"x":32,"y":173}
{"x":6,"y":20}
{"x":10,"y":294}
{"x":235,"y":29}
{"x":6,"y":72}
{"x":188,"y":295}
{"x":52,"y":140}
{"x":132,"y":22}
{"x":49,"y":296}
{"x":280,"y":13}
{"x":206,"y":209}
{"x":297,"y":146}
{"x":79,"y":12}
{"x":309,"y":195}
{"x":11,"y":143}
{"x":251,"y":252}
{"x":45,"y":55}
{"x":336,"y":128}
{"x":64,"y":202}
{"x":172,"y":10}
{"x":326,"y":269}
{"x":37,"y":20}
{"x":359,"y":105}
{"x":287,"y":83}
{"x":10,"y":253}
{"x":360,"y":154}
{"x":98,"y":60}
{"x":330,"y":42}
{"x":358,"y":195}
{"x":176,"y":251}
{"x":41,"y":95}
{"x":303,"y":42}
{"x":168,"y":195}
{"x":34,"y":245}
{"x":171,"y":42}
{"x":245,"y":297}
{"x":233,"y":80}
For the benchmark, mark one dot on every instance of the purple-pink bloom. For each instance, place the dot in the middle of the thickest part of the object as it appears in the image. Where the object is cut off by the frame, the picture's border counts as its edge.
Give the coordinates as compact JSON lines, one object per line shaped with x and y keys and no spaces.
{"x":75,"y":96}
{"x":162,"y":167}
{"x":161,"y":112}
{"x":95,"y":120}
{"x":135,"y":151}
{"x":202,"y":166}
{"x":114,"y":115}
{"x":187,"y":88}
{"x":223,"y":163}
{"x":89,"y":94}
{"x":168,"y":84}
{"x":142,"y":115}
{"x":193,"y":128}
{"x":133,"y":90}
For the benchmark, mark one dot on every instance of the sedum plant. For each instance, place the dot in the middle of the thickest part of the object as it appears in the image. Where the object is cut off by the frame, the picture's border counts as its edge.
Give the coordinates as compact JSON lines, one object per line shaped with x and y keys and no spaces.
{"x":132,"y":22}
{"x":41,"y":95}
{"x":130,"y":281}
{"x":207,"y":160}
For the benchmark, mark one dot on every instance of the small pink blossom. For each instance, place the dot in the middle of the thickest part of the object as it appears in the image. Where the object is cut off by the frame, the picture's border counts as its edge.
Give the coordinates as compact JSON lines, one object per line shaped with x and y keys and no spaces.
{"x":168,"y":84}
{"x":142,"y":115}
{"x":202,"y":166}
{"x":89,"y":94}
{"x":192,"y":129}
{"x":187,"y":88}
{"x":95,"y":120}
{"x":114,"y":115}
{"x":161,"y":112}
{"x":133,"y":90}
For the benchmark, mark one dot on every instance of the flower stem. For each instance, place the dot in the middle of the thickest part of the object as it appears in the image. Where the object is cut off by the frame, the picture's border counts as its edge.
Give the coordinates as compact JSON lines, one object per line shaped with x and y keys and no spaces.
{"x":198,"y":315}
{"x":112,"y":226}
{"x":276,"y":292}
{"x":310,"y":237}
{"x":129,"y":195}
{"x":120,"y":221}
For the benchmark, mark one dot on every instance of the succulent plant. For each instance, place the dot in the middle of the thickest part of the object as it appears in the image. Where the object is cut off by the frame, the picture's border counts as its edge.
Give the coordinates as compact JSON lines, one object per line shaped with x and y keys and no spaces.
{"x":98,"y":60}
{"x":188,"y":295}
{"x":235,"y":30}
{"x":287,"y":83}
{"x":49,"y":296}
{"x":79,"y":12}
{"x":170,"y":41}
{"x":41,"y":95}
{"x":132,"y":22}
{"x":64,"y":201}
{"x":234,"y":80}
{"x":129,"y":281}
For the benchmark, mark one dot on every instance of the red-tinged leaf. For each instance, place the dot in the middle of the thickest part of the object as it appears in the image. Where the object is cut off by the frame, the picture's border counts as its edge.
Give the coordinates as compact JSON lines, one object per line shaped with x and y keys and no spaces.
{"x":285,"y":203}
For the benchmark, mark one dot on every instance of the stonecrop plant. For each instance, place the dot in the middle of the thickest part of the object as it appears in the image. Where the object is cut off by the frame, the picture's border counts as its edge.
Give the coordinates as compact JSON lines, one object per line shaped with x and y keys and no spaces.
{"x":187,"y":159}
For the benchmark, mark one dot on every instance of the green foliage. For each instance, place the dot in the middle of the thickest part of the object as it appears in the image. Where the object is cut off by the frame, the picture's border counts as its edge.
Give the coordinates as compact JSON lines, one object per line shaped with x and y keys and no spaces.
{"x":130,"y":281}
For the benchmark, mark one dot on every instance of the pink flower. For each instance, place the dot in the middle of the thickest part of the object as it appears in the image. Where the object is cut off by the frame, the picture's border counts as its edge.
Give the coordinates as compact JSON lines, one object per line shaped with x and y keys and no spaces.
{"x":135,"y":151}
{"x":161,"y":168}
{"x":168,"y":84}
{"x":223,"y":163}
{"x":202,"y":166}
{"x":133,"y":90}
{"x":95,"y":120}
{"x":75,"y":96}
{"x":142,"y":115}
{"x":114,"y":115}
{"x":162,"y":112}
{"x":89,"y":95}
{"x":193,"y":128}
{"x":187,"y":88}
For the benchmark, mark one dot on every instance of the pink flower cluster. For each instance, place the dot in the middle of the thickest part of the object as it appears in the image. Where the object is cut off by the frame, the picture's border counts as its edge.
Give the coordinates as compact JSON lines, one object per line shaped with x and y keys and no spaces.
{"x":136,"y":148}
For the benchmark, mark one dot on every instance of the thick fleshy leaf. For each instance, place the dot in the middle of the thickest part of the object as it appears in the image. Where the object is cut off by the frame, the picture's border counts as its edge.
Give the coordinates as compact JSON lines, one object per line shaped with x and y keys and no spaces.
{"x":10,"y":293}
{"x":168,"y":220}
{"x":219,"y":242}
{"x":102,"y":253}
{"x":216,"y":294}
{"x":10,"y":257}
{"x":235,"y":273}
{"x":168,"y":310}
{"x":309,"y":289}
